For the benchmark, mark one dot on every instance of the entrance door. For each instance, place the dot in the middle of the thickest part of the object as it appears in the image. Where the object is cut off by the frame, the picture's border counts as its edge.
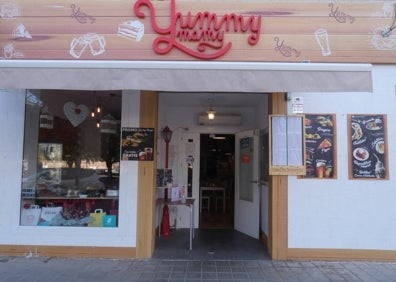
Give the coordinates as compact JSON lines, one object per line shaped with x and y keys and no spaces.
{"x":247,"y":198}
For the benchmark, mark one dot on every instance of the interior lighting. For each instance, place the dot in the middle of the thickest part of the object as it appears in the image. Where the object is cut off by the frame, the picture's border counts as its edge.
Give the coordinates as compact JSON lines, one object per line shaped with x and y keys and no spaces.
{"x":211,"y":113}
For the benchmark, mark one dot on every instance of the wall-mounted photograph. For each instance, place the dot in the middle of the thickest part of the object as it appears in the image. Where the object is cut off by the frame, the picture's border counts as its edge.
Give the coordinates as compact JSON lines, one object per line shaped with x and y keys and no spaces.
{"x":367,"y":147}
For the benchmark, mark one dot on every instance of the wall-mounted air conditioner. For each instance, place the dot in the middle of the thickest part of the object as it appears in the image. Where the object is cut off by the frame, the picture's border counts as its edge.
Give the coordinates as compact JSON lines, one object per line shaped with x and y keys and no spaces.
{"x":220,"y":119}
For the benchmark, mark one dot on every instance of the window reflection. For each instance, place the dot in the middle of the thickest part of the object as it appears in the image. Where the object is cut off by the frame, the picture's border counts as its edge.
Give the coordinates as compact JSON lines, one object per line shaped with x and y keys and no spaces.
{"x":71,"y":166}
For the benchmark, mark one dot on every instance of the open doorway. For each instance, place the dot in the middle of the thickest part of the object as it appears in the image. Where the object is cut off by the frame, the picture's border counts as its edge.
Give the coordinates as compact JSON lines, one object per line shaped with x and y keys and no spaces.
{"x":216,"y":180}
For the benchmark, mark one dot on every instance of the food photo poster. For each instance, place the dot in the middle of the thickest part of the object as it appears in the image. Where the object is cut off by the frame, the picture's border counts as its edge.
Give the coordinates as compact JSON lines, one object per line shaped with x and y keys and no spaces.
{"x":320,"y":138}
{"x":368,"y":147}
{"x":137,"y":144}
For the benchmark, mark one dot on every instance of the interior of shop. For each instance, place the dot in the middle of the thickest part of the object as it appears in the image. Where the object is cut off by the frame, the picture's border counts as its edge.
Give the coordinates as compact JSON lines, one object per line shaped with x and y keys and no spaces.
{"x":217,"y":157}
{"x":217,"y":235}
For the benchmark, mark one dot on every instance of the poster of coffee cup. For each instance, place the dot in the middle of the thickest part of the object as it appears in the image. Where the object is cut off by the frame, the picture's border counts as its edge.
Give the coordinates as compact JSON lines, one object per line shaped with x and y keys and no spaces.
{"x":320,"y":146}
{"x":137,"y":144}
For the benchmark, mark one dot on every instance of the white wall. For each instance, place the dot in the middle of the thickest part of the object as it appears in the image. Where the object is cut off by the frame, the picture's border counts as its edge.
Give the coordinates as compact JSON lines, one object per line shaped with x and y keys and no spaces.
{"x":12,"y":106}
{"x":11,"y":126}
{"x":343,"y":213}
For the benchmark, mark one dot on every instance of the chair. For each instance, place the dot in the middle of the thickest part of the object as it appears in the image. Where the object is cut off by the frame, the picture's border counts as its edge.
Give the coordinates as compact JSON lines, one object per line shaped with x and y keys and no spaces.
{"x":204,"y":203}
{"x":219,"y":203}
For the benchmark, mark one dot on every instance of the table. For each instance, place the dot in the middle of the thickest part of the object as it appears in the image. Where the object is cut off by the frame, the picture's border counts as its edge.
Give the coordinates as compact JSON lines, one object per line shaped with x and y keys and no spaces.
{"x":189,"y":203}
{"x":214,"y":189}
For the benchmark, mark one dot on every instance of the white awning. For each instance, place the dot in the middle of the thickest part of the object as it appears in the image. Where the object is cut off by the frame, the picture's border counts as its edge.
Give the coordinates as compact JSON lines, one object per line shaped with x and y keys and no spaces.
{"x":186,"y":76}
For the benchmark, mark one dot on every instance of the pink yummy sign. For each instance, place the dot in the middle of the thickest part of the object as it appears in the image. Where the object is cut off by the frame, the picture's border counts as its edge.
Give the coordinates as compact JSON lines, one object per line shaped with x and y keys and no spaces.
{"x":205,"y":30}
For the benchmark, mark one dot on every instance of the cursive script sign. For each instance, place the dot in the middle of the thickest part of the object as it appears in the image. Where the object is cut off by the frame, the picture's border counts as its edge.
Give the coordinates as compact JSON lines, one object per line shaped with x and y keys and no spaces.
{"x":205,"y":30}
{"x":339,"y":16}
{"x":285,"y":50}
{"x":80,"y":16}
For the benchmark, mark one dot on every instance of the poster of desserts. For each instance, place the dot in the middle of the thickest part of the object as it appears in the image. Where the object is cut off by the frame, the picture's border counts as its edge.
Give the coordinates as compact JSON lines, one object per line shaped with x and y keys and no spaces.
{"x":137,"y":144}
{"x":367,"y":147}
{"x":320,"y":146}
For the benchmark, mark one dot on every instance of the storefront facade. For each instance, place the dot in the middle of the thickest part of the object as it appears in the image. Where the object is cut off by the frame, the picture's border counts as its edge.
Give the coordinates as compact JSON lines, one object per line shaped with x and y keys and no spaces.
{"x":136,"y":50}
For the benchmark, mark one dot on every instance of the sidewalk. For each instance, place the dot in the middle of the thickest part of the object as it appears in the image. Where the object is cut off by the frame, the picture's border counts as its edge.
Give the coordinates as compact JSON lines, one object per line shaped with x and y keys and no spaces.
{"x":40,"y":269}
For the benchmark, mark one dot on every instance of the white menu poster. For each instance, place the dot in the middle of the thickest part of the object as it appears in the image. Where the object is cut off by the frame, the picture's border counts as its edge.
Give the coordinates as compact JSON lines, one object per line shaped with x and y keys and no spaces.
{"x":294,"y":141}
{"x":279,"y":141}
{"x":287,"y":140}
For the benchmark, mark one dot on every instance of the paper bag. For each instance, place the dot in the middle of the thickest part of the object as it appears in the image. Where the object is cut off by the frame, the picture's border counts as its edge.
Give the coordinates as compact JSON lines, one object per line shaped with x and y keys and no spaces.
{"x":48,"y":213}
{"x":31,"y":215}
{"x":97,"y":217}
{"x":109,"y":221}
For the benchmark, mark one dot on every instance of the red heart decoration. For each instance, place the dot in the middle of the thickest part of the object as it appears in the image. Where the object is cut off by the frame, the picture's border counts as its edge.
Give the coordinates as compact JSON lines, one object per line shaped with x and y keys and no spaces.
{"x":77,"y":111}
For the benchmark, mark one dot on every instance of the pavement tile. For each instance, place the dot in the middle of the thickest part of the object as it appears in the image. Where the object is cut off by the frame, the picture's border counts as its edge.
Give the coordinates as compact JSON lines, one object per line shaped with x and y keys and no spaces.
{"x":21,"y":269}
{"x":224,"y":276}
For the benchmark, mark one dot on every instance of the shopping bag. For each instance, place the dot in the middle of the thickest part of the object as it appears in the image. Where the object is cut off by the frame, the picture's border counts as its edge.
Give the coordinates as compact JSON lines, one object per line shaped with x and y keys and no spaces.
{"x":109,"y":221}
{"x":30,"y":215}
{"x":97,"y":217}
{"x":48,"y":213}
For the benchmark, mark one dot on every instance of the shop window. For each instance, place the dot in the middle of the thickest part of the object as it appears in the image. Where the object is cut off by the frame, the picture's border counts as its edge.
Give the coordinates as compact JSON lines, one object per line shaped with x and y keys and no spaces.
{"x":71,"y":155}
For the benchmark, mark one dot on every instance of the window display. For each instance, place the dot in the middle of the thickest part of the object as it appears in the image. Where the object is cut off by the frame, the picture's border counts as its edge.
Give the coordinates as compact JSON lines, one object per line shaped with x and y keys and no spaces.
{"x":70,"y":174}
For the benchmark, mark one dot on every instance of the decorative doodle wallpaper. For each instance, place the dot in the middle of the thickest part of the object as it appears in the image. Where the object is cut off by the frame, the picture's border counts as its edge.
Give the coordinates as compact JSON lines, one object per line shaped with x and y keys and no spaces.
{"x":179,"y":30}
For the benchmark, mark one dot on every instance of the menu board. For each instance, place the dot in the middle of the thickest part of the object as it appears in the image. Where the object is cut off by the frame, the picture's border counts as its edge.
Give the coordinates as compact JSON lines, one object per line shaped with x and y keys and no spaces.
{"x":287,"y":145}
{"x":320,"y":146}
{"x":367,"y":144}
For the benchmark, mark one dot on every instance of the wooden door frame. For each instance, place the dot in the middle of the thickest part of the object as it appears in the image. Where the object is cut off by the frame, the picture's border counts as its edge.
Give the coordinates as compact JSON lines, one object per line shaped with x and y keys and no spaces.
{"x":146,"y":195}
{"x":278,"y":195}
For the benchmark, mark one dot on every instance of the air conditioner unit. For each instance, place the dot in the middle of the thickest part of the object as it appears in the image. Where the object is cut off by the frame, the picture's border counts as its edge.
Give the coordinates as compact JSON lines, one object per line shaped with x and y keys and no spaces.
{"x":220,"y":119}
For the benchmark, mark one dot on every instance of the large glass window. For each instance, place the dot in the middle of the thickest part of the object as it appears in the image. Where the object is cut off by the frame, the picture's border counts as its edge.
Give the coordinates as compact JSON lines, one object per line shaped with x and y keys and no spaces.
{"x":71,"y":158}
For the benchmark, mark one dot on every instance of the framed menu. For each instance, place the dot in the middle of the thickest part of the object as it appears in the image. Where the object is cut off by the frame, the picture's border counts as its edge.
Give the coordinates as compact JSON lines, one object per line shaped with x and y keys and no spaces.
{"x":320,"y":146}
{"x":368,"y":147}
{"x":287,"y":155}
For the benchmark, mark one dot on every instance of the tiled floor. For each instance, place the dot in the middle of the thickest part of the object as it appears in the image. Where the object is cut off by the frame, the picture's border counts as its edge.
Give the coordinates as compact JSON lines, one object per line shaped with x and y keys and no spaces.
{"x":218,"y":256}
{"x":210,"y":244}
{"x":141,"y":270}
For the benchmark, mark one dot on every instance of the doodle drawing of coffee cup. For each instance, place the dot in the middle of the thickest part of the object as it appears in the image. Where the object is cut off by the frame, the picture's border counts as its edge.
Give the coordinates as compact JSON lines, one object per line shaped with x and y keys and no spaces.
{"x":8,"y":51}
{"x":77,"y":47}
{"x":96,"y":43}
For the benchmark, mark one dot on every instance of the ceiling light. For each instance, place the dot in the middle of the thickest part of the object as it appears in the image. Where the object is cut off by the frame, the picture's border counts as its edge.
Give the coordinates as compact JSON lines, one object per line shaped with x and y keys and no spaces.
{"x":219,"y":137}
{"x":211,"y":114}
